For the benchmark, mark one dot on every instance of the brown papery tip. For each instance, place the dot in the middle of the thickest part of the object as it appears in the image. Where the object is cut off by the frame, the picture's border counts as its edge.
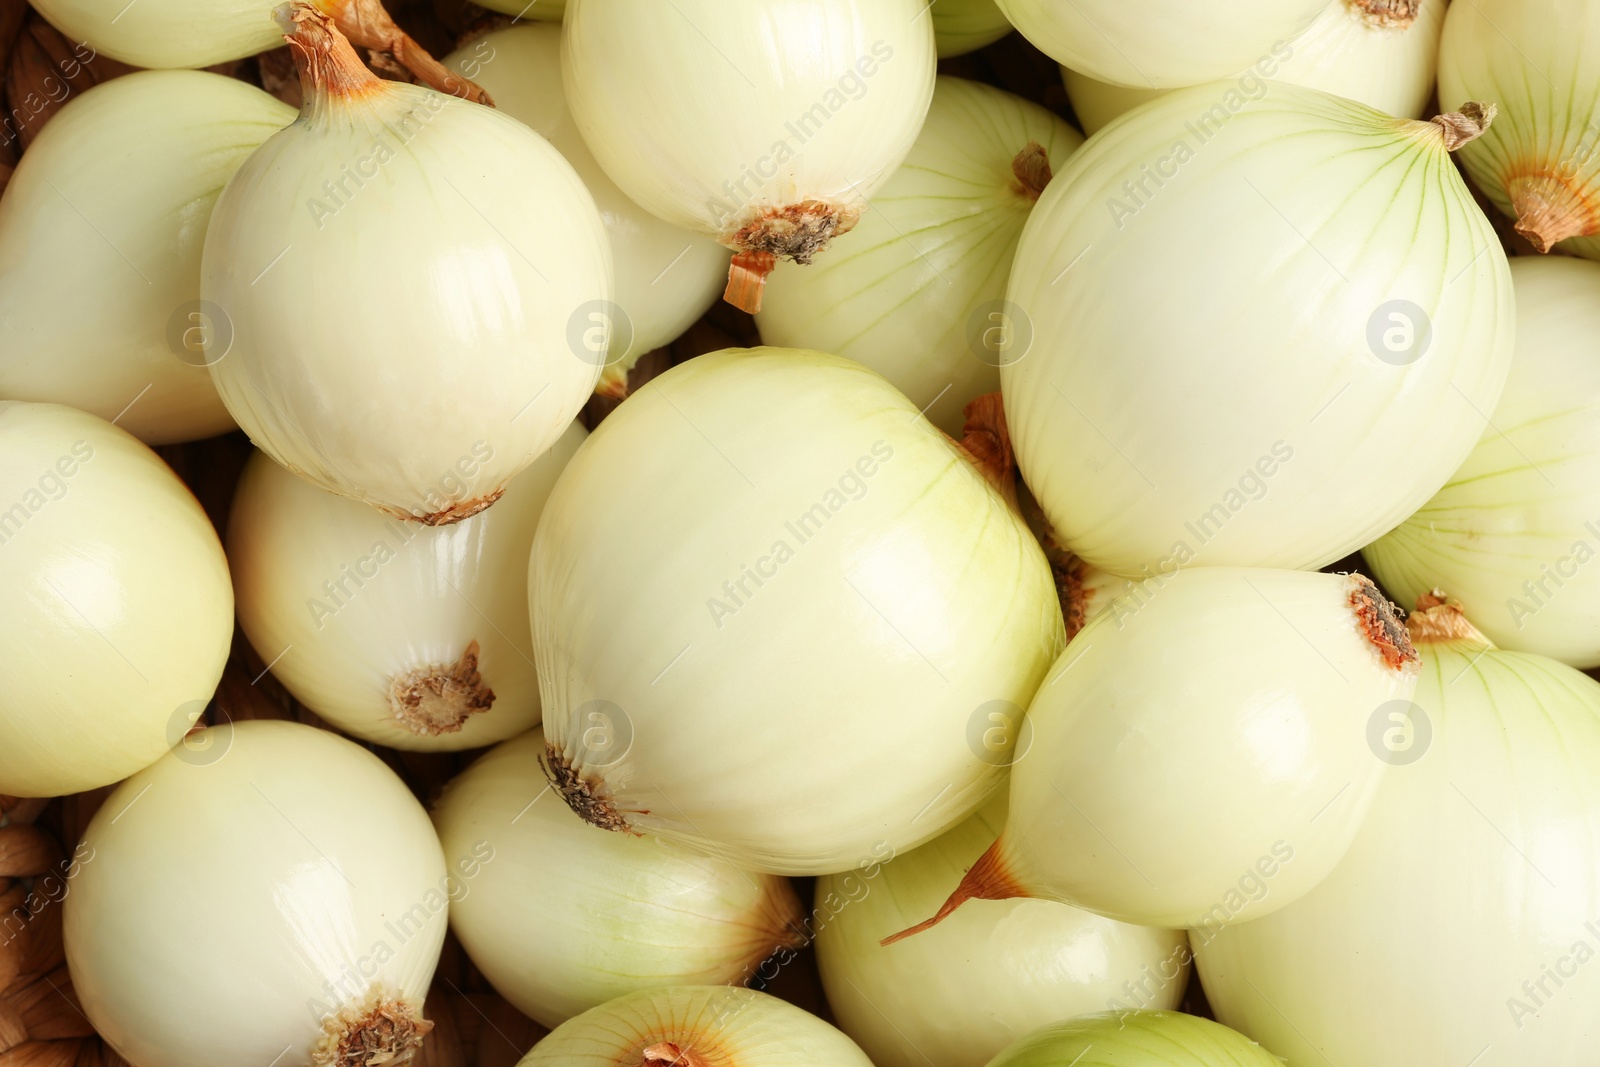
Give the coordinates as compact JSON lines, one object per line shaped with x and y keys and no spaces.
{"x":1031,"y":169}
{"x":796,"y":232}
{"x":327,"y":64}
{"x":439,"y":698}
{"x":989,"y":879}
{"x":987,"y":443}
{"x":1381,"y":623}
{"x":587,"y":798}
{"x":1550,"y":209}
{"x":367,"y":24}
{"x":1438,"y":620}
{"x":1468,"y":124}
{"x":461,"y":509}
{"x":747,"y":279}
{"x":683,"y":1052}
{"x":1389,"y":14}
{"x":383,"y":1031}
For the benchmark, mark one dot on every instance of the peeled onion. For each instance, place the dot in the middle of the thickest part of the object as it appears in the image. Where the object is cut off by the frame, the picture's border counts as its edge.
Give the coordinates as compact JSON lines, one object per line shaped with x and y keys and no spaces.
{"x":962,"y":26}
{"x":1136,"y":1039}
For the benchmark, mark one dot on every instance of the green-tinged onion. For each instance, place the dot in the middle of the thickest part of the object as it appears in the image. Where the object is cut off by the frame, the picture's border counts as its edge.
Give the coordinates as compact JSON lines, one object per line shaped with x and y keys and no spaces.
{"x":993,"y":972}
{"x":962,"y":26}
{"x":1136,"y":1039}
{"x":916,"y":292}
{"x":566,"y":916}
{"x":1264,"y":327}
{"x":1464,"y":923}
{"x":1516,"y":532}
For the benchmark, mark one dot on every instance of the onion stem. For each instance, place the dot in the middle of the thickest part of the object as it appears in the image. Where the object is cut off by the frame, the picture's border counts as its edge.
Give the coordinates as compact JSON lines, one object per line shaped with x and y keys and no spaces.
{"x":1466,"y":125}
{"x":1439,"y":620}
{"x":1032,"y":169}
{"x":988,"y":879}
{"x":366,"y":23}
{"x":1390,"y":14}
{"x":796,"y":231}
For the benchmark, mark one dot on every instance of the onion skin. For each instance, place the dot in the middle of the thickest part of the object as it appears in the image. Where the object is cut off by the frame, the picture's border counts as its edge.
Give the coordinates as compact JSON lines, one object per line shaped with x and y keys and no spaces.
{"x":1136,"y":1039}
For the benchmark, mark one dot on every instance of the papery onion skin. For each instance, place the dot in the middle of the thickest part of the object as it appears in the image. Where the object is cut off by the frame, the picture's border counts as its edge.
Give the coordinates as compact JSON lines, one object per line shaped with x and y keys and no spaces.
{"x":932,"y":255}
{"x":1302,"y":223}
{"x":100,"y":235}
{"x":1161,"y":45}
{"x":117,"y":614}
{"x":347,"y":605}
{"x":1450,"y":928}
{"x":1513,"y":535}
{"x":665,"y":277}
{"x":962,"y":26}
{"x":723,"y":1026}
{"x":484,"y":246}
{"x":268,"y":849}
{"x":568,"y":916}
{"x":1136,"y":1039}
{"x":990,"y":974}
{"x":818,"y":721}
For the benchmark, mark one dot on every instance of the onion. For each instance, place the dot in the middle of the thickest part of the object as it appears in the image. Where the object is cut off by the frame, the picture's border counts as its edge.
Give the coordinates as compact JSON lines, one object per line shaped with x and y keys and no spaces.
{"x":1462,"y":921}
{"x":272,"y":891}
{"x":1377,"y":52}
{"x":1199,"y":757}
{"x":666,"y":277}
{"x":569,"y":916}
{"x":798,"y":674}
{"x":695,"y":1026}
{"x":100,"y":235}
{"x":962,"y":26}
{"x":540,"y":10}
{"x":916,"y":292}
{"x":406,"y":636}
{"x":1513,"y":533}
{"x":1135,"y":1039}
{"x":485,"y":248}
{"x":994,"y":972}
{"x":1303,"y":224}
{"x":1541,"y":163}
{"x":117,"y":611}
{"x":784,"y":118}
{"x":1161,"y":44}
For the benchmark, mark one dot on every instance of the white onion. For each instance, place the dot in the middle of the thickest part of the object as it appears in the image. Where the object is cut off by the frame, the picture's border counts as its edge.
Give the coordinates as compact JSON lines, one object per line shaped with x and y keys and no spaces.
{"x":100,"y":236}
{"x":782,"y":119}
{"x":1462,"y":923}
{"x":1199,"y":756}
{"x":1515,"y":532}
{"x":570,"y":916}
{"x":273,"y":892}
{"x":916,"y":290}
{"x":116,"y":615}
{"x":1158,"y":44}
{"x":422,"y":366}
{"x":1378,"y":52}
{"x":989,"y":975}
{"x":1156,"y":415}
{"x":696,"y":1026}
{"x":404,"y":635}
{"x":962,"y":26}
{"x":666,"y":277}
{"x":540,"y":10}
{"x":796,"y":673}
{"x":1136,"y":1039}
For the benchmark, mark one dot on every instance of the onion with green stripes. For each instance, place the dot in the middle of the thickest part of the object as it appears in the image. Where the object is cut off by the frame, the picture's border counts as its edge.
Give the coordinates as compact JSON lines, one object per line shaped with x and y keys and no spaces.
{"x":1136,"y":1039}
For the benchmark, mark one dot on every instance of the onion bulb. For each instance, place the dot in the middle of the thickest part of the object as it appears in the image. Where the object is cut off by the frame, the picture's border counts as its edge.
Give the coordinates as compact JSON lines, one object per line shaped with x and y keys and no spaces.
{"x":1136,"y":1039}
{"x":1169,"y":268}
{"x":117,"y":613}
{"x":783,"y":120}
{"x":796,"y":676}
{"x":539,"y":10}
{"x":666,"y":277}
{"x":100,"y":236}
{"x":1541,"y":63}
{"x":1161,"y":44}
{"x":989,"y":975}
{"x":1199,"y":755}
{"x":569,"y":916}
{"x":1379,"y":52}
{"x":1515,"y":532}
{"x":380,"y":368}
{"x":916,"y":292}
{"x":962,"y":26}
{"x":1463,"y":921}
{"x":695,"y":1026}
{"x":403,"y":635}
{"x":274,"y":892}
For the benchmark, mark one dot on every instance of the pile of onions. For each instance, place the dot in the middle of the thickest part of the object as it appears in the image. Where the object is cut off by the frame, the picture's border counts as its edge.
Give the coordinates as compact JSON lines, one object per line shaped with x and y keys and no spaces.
{"x":798,"y":671}
{"x":486,"y":248}
{"x":1136,"y":1039}
{"x":794,"y":116}
{"x":100,"y":236}
{"x":118,"y":612}
{"x":1515,"y":533}
{"x":1295,"y":222}
{"x":666,"y":277}
{"x":962,"y":26}
{"x":1201,"y":760}
{"x":916,"y":292}
{"x":1540,"y":62}
{"x":273,"y":894}
{"x":1019,"y":964}
{"x":1462,"y":922}
{"x":1378,"y":52}
{"x":404,"y":635}
{"x":567,"y":917}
